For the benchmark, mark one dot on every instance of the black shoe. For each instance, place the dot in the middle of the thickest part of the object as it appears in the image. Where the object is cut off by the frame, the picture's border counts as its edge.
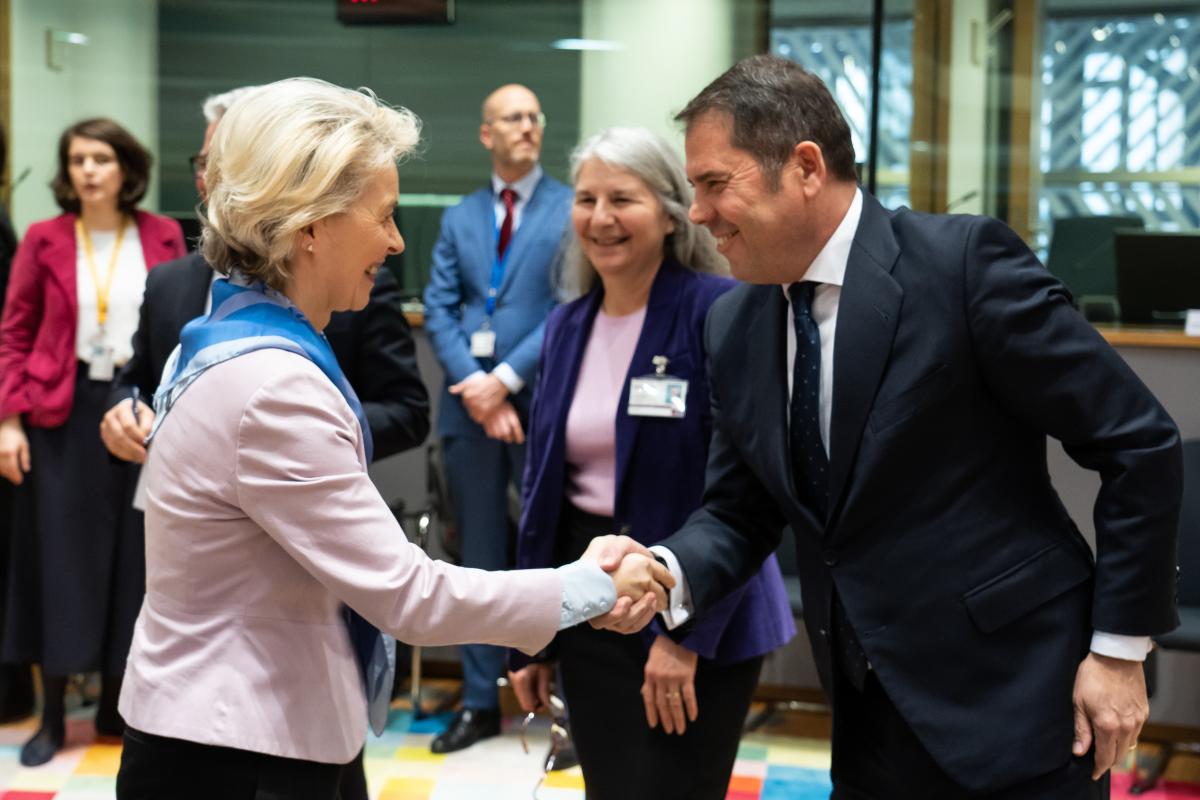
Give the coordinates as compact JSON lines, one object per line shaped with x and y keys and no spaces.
{"x":468,"y":727}
{"x":564,"y":759}
{"x":42,"y":747}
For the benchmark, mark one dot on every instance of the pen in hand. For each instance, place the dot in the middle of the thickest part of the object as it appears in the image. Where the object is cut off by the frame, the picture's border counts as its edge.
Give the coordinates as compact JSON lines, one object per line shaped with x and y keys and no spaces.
{"x":135,"y":397}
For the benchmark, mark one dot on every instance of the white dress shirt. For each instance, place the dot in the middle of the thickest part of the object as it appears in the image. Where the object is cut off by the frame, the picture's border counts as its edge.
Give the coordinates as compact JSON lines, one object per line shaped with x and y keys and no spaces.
{"x":124,"y":298}
{"x":828,"y":270}
{"x":524,"y":187}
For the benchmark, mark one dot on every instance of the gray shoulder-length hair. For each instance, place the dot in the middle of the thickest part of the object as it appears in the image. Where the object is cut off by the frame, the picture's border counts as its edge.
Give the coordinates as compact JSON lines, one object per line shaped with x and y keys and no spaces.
{"x":647,"y":156}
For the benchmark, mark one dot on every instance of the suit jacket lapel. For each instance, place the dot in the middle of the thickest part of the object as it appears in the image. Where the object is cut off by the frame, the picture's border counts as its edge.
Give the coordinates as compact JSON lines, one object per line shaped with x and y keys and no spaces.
{"x":766,"y":366}
{"x":531,"y":220}
{"x":662,"y":309}
{"x":61,"y":256}
{"x":868,"y":312}
{"x":194,"y":288}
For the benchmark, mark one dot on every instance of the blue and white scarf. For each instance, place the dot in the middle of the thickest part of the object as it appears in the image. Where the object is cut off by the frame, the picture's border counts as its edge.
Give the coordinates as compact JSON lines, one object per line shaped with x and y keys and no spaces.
{"x":246,"y":317}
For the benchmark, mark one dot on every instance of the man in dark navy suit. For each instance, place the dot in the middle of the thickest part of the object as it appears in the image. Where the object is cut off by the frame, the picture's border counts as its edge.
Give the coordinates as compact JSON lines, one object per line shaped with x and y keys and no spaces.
{"x":884,"y":384}
{"x":374,"y":347}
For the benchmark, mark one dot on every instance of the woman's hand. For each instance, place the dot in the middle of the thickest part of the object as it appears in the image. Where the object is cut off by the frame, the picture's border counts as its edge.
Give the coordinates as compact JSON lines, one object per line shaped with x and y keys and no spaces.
{"x":640,"y":575}
{"x":670,"y":689}
{"x":14,"y":450}
{"x":531,"y":684}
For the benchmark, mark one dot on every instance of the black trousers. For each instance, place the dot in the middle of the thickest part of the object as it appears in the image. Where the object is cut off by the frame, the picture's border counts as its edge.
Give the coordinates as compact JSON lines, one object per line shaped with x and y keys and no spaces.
{"x":622,"y":757}
{"x":876,"y":756}
{"x":161,"y":768}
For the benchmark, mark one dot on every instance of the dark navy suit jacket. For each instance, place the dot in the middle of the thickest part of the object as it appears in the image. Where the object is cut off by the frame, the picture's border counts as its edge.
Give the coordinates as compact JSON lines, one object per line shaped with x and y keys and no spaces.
{"x":972,"y":592}
{"x":660,"y":462}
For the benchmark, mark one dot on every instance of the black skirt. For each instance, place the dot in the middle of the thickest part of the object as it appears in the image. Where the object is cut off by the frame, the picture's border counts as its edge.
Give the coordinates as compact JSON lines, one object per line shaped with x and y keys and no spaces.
{"x":76,"y":571}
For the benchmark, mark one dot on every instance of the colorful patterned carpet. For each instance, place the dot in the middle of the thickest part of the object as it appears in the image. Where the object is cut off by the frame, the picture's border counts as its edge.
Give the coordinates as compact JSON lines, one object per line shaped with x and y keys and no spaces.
{"x":400,"y":767}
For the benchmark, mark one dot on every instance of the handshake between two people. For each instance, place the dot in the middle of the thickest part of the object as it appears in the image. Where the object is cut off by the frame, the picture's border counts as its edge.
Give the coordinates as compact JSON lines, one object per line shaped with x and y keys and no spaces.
{"x":642,"y":583}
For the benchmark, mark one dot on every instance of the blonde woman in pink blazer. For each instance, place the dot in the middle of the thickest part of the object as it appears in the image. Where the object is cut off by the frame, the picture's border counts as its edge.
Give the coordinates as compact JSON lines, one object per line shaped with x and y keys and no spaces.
{"x":271,"y":558}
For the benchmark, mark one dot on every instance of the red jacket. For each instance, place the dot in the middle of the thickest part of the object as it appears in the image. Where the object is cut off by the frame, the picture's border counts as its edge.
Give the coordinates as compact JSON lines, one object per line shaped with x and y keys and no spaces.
{"x":37,"y":333}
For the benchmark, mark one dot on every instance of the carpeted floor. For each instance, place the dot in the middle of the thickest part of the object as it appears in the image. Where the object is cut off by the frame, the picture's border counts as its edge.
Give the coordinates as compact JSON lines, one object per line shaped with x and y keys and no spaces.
{"x":400,"y":767}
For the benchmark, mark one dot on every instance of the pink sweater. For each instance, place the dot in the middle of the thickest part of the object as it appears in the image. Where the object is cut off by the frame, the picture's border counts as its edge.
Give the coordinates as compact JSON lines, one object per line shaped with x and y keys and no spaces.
{"x":592,"y":419}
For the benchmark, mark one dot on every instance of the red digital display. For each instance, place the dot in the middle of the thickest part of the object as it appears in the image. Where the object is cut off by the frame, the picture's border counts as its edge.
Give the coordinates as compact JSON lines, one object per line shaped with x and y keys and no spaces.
{"x":395,"y":12}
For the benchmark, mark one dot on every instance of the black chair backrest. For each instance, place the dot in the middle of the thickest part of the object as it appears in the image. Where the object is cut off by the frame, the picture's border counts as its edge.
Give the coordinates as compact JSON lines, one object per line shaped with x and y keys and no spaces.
{"x":1189,"y":527}
{"x":1082,"y":256}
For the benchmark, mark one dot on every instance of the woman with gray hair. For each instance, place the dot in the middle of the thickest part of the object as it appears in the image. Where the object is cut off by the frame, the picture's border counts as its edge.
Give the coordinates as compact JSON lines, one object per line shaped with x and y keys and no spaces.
{"x":618,"y":440}
{"x":271,"y":559}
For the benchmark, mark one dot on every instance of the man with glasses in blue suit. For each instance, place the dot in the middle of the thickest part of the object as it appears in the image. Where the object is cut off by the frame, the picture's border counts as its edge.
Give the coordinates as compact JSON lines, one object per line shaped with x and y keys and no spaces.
{"x":489,"y":292}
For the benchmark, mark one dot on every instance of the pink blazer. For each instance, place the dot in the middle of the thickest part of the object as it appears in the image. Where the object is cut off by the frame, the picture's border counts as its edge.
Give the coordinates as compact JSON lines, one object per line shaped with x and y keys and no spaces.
{"x":37,"y":334}
{"x":260,"y":522}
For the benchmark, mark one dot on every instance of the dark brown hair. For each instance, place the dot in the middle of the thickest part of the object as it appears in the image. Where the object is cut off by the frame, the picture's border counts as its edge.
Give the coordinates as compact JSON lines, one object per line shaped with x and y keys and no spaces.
{"x":775,"y":104}
{"x":134,"y":159}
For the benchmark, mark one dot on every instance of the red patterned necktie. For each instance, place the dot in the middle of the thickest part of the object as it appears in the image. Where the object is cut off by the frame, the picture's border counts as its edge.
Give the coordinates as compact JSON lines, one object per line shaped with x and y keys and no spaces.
{"x":510,"y":200}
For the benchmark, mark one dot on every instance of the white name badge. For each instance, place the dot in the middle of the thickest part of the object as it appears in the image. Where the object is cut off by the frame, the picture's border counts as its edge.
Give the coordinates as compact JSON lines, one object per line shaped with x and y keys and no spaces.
{"x":658,"y":396}
{"x":101,"y":366}
{"x":483,"y":344}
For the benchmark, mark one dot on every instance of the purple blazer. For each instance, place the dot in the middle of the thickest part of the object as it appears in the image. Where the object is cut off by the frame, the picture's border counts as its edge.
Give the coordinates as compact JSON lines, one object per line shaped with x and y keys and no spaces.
{"x":660,"y":462}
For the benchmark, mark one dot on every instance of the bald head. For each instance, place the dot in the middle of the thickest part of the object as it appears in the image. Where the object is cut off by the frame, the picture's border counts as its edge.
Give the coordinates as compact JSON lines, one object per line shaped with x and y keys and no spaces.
{"x":507,"y":94}
{"x":512,"y":130}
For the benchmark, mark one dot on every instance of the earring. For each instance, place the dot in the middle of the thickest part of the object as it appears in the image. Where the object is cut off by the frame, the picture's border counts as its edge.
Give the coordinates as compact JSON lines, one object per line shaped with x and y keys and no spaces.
{"x":310,"y":249}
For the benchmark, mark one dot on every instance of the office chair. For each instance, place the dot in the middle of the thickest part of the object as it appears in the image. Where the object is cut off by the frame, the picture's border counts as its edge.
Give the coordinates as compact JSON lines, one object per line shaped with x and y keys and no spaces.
{"x":1187,"y":636}
{"x":1082,"y":256}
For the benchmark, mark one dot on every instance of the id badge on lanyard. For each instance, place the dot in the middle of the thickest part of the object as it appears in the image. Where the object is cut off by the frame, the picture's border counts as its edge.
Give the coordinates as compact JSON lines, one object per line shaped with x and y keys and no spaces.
{"x":659,"y":395}
{"x":483,"y":341}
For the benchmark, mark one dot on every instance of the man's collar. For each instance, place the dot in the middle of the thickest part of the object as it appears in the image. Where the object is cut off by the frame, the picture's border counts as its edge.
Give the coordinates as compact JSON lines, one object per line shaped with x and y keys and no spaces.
{"x":830,"y":264}
{"x":523,"y":186}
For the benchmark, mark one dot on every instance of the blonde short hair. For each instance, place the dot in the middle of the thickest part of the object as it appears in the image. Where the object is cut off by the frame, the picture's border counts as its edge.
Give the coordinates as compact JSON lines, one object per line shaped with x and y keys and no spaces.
{"x":286,"y":155}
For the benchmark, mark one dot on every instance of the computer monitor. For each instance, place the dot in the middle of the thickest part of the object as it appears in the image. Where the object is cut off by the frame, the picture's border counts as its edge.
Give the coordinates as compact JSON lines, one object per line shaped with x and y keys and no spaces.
{"x":1158,"y":276}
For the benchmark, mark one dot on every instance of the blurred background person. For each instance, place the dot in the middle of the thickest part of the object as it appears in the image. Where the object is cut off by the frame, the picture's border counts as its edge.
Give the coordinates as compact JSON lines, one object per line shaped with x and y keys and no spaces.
{"x":486,"y":303}
{"x":247,"y":675}
{"x":76,"y":566}
{"x":16,"y":680}
{"x":374,"y":347}
{"x":651,"y":718}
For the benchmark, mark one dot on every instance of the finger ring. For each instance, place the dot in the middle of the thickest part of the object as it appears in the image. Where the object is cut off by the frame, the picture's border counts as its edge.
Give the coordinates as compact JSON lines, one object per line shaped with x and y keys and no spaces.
{"x":671,"y":695}
{"x":1133,"y":747}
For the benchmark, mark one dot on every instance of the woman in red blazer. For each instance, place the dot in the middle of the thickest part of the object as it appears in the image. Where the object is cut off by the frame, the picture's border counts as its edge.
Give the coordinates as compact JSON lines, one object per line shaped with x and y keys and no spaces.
{"x":76,"y":571}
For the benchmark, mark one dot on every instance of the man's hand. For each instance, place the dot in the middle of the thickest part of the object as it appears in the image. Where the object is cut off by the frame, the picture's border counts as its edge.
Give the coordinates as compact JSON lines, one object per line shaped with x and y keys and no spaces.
{"x":1110,"y":708}
{"x":626,"y":616}
{"x":481,"y":395}
{"x":123,"y":435}
{"x":670,"y":689}
{"x":505,"y":425}
{"x":14,"y":450}
{"x":531,"y":684}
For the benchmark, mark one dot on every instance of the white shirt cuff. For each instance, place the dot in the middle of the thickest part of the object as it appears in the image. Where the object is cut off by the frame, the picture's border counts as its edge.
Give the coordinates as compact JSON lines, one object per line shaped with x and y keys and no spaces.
{"x":679,"y":601}
{"x":508,"y":377}
{"x":1114,"y":645}
{"x":587,"y":591}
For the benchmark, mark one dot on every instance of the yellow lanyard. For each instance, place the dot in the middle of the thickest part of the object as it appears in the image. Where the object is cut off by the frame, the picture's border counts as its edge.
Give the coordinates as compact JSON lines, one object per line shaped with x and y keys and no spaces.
{"x":102,"y":291}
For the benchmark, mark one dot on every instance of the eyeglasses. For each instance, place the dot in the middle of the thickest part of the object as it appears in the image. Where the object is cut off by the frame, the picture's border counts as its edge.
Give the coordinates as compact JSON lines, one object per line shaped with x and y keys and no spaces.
{"x":560,"y":738}
{"x":536,"y":118}
{"x":198,"y":163}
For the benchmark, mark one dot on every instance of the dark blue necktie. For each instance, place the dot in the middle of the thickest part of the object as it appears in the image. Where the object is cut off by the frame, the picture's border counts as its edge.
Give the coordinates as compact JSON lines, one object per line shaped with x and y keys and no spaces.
{"x":810,"y":465}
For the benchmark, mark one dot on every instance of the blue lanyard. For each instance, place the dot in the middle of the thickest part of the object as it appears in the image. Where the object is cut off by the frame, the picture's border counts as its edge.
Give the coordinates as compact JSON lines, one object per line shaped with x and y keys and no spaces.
{"x":499,"y":264}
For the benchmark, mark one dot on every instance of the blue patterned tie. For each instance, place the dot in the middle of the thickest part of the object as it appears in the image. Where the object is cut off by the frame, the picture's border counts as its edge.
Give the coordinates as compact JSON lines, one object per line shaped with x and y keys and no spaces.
{"x":810,"y":464}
